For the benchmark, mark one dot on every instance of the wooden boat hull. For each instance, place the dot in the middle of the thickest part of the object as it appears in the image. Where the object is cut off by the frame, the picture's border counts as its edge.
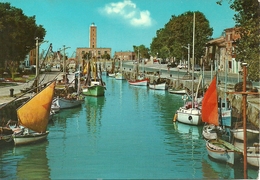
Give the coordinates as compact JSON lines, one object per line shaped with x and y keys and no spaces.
{"x":180,"y":92}
{"x":67,"y":103}
{"x":29,"y":138}
{"x":161,"y":86}
{"x":96,"y":90}
{"x":143,"y":82}
{"x":251,"y":134}
{"x":223,"y":151}
{"x":190,"y":116}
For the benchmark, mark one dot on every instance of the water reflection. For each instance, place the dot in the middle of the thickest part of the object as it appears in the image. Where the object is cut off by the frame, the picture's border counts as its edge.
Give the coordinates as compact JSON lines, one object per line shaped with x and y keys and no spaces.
{"x":94,"y":107}
{"x":25,"y":162}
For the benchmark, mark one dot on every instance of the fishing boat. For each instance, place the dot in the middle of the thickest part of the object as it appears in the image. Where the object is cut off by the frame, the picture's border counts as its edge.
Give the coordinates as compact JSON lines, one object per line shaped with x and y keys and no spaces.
{"x":252,"y":133}
{"x":64,"y":99}
{"x":253,"y":156}
{"x":33,"y":117}
{"x":223,"y":151}
{"x":177,"y":91}
{"x":94,"y":85}
{"x":71,"y":101}
{"x":139,"y":78}
{"x":140,"y":81}
{"x":158,"y":86}
{"x":209,"y":131}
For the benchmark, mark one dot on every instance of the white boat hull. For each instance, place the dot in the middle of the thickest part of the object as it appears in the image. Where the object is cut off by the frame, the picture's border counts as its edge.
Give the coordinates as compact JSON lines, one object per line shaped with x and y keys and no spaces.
{"x":180,"y":92}
{"x":190,"y":116}
{"x":111,"y":74}
{"x":209,"y":132}
{"x":29,"y":138}
{"x":251,"y":134}
{"x":161,"y":86}
{"x":67,"y":103}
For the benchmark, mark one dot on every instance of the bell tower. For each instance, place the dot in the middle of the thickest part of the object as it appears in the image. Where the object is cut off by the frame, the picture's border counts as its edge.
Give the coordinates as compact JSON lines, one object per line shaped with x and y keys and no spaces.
{"x":93,"y":36}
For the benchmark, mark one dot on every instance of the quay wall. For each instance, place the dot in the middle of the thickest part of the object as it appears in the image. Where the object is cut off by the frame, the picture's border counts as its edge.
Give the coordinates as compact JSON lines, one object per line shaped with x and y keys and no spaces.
{"x":253,"y":101}
{"x":8,"y":111}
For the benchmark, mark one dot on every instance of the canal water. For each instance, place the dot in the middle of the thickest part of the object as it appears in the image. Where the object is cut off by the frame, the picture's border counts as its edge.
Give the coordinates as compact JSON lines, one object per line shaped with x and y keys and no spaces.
{"x":128,"y":134}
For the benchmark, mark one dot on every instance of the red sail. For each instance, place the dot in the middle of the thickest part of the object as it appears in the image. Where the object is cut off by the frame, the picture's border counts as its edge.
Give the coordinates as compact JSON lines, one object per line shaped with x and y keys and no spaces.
{"x":209,"y":109}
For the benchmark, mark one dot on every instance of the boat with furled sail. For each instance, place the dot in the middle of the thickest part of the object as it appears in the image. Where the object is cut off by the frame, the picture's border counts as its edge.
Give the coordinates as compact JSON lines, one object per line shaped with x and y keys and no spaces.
{"x":94,"y":85}
{"x":33,"y":117}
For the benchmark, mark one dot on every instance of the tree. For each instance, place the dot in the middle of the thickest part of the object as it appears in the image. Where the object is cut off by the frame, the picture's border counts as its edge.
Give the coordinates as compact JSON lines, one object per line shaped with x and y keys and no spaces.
{"x":247,"y":19}
{"x":247,"y":47}
{"x":106,"y":56}
{"x":142,"y":50}
{"x":17,"y":33}
{"x":178,"y":32}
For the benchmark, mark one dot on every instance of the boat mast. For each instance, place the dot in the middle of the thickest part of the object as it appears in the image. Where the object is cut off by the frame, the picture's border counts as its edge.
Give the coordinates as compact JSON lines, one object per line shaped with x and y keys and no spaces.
{"x":193,"y":41}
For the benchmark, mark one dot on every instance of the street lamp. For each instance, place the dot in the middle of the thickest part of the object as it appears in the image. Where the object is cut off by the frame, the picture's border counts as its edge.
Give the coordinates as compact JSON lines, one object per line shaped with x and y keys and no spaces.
{"x":188,"y":56}
{"x":37,"y":60}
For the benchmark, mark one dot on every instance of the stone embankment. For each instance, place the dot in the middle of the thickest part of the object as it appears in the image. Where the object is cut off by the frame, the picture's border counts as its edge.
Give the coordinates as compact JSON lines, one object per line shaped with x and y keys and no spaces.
{"x":253,"y":101}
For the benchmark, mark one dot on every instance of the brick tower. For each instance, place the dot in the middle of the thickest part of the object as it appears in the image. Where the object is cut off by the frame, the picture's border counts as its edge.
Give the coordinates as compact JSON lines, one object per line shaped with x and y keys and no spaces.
{"x":93,"y":36}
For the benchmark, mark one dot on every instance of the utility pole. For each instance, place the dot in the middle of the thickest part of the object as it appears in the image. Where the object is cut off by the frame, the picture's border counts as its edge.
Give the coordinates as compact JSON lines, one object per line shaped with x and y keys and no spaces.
{"x":64,"y":64}
{"x":37,"y":64}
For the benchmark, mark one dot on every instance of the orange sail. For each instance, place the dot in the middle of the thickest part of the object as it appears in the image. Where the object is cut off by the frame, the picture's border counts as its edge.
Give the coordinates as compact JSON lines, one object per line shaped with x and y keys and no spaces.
{"x":34,"y":114}
{"x":209,"y":111}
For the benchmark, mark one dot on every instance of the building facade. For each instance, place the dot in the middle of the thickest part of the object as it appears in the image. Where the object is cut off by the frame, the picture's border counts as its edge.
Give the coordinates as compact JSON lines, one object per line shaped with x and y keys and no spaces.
{"x":125,"y":55}
{"x":92,"y":50}
{"x":220,"y":52}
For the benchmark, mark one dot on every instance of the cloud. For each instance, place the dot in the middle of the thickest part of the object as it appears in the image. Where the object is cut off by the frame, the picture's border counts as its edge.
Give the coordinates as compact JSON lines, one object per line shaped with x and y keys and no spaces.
{"x":128,"y":11}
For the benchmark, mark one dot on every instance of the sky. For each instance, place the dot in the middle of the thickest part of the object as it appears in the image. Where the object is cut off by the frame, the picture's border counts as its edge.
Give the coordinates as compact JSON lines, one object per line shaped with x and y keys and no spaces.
{"x":121,"y":24}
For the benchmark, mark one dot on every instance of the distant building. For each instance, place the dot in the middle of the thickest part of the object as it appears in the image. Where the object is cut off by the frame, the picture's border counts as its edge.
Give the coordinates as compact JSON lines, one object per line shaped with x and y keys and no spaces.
{"x":127,"y":55}
{"x":220,"y":52}
{"x":93,"y":49}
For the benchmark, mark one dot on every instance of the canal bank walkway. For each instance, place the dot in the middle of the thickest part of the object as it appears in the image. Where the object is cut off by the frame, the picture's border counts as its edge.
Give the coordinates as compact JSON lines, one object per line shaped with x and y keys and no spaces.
{"x":7,"y":96}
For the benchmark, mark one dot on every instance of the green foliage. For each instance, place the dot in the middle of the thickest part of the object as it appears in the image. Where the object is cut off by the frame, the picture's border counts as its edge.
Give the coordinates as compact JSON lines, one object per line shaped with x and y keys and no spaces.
{"x":105,"y":56}
{"x":178,"y":32}
{"x":142,"y":50}
{"x":247,"y":50}
{"x":18,"y":33}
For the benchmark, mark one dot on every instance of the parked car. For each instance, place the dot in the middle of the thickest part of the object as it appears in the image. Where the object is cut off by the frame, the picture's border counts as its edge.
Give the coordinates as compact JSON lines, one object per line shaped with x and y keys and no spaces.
{"x":181,"y":66}
{"x":197,"y":67}
{"x":171,"y":65}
